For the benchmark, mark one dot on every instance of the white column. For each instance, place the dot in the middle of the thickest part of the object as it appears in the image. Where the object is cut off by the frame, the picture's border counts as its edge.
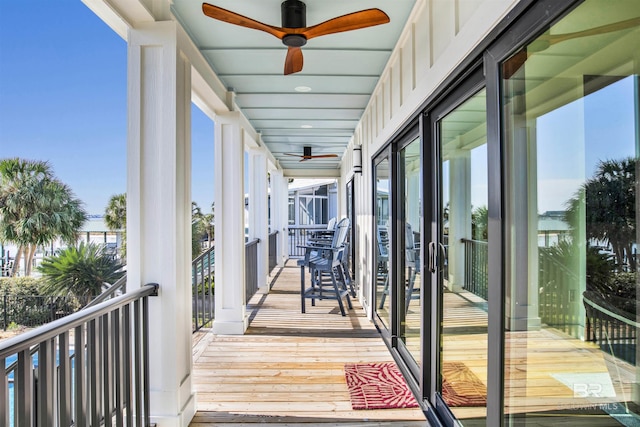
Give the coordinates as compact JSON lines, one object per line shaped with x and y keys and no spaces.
{"x":230,"y":305}
{"x":280,"y":213}
{"x":259,"y":213}
{"x":159,"y":211}
{"x":459,"y":216}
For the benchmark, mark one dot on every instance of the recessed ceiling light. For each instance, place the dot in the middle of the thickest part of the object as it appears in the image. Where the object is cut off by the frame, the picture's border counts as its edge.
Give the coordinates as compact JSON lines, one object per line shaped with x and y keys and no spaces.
{"x":306,"y":126}
{"x":303,"y":89}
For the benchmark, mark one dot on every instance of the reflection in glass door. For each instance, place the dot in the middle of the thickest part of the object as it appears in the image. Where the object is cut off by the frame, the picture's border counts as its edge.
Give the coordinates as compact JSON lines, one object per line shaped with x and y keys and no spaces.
{"x":382,"y":223}
{"x":351,"y":241}
{"x":409,"y":295}
{"x":462,"y":250}
{"x":572,"y":129}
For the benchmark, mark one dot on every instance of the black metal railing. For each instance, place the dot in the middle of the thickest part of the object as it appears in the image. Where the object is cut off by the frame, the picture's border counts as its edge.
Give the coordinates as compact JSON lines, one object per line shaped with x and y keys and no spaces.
{"x":299,"y":235}
{"x":273,"y":250}
{"x":476,"y":261}
{"x":90,"y":368}
{"x":558,"y":299}
{"x":36,"y":310}
{"x":112,"y":291}
{"x":202,"y":283}
{"x":251,"y":268}
{"x":612,"y":332}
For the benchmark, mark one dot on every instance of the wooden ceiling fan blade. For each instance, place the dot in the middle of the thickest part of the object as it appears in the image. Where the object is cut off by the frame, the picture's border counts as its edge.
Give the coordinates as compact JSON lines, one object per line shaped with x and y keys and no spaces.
{"x":603,"y":29}
{"x":292,"y":154}
{"x":230,"y":17}
{"x":513,"y":64}
{"x":351,"y":21}
{"x":318,"y":156}
{"x":294,"y":61}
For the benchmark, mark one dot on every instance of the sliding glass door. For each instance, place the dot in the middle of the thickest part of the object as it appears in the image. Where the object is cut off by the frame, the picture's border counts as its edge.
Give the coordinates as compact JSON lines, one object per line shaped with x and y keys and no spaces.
{"x":398,"y":228}
{"x":456,"y":255}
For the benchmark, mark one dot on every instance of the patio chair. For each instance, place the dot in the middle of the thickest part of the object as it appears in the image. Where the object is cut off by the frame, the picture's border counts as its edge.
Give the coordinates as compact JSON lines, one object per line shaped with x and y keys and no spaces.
{"x":324,"y":236}
{"x":411,"y":262}
{"x":383,"y":262}
{"x":325,"y":262}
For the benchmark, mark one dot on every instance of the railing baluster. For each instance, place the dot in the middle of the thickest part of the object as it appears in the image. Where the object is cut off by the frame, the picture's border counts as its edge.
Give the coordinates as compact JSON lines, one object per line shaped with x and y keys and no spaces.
{"x":46,"y":366}
{"x":79,"y":368}
{"x":4,"y":396}
{"x":64,"y":379}
{"x":92,"y":377}
{"x":22,"y":388}
{"x":126,"y":332}
{"x":137,"y":368}
{"x":145,"y":359}
{"x":117,"y":370}
{"x":107,"y":368}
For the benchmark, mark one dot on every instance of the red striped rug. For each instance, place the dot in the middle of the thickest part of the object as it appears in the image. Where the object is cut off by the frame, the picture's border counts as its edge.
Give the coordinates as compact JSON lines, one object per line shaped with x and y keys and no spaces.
{"x":461,"y":387}
{"x":377,"y":386}
{"x":381,"y":386}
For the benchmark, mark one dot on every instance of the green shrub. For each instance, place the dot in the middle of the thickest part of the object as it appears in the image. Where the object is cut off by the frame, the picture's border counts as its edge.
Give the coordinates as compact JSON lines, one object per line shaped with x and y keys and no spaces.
{"x":21,"y":286}
{"x":22,"y":303}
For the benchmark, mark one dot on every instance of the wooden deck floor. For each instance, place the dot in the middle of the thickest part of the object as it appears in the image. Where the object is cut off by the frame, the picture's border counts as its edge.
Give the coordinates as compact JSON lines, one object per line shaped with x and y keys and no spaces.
{"x":287,"y":370}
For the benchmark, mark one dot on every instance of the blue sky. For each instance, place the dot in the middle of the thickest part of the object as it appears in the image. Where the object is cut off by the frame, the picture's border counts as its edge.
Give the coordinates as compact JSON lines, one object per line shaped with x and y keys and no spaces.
{"x":566,"y":155}
{"x":63,"y":76}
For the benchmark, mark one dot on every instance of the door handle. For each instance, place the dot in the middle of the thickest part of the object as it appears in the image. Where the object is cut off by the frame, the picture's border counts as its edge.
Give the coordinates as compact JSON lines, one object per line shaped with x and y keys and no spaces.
{"x":432,"y":257}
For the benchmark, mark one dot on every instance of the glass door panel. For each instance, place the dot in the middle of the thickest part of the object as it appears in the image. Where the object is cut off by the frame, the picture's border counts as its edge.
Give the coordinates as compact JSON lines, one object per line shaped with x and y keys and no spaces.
{"x":462,"y":253}
{"x":411,"y":284}
{"x":572,"y":135}
{"x":382,"y":224}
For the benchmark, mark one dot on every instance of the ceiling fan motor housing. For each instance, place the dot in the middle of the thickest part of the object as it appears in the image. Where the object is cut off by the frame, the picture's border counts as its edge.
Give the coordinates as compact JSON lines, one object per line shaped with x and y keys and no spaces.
{"x":307,"y":151}
{"x":294,"y":15}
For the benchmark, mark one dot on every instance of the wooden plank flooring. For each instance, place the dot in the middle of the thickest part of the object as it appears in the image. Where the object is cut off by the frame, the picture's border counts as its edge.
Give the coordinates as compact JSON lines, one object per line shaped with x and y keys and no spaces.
{"x":287,"y":370}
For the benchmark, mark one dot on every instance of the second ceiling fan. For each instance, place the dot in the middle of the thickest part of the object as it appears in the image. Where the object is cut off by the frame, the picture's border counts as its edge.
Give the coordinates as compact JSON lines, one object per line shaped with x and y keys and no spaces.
{"x":294,"y":33}
{"x":308,"y":156}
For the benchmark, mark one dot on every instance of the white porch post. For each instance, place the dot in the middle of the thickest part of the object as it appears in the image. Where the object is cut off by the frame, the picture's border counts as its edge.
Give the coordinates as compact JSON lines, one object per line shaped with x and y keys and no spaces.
{"x":280,"y":213}
{"x":230,"y":305}
{"x":259,"y":213}
{"x":159,"y":211}
{"x":459,"y":216}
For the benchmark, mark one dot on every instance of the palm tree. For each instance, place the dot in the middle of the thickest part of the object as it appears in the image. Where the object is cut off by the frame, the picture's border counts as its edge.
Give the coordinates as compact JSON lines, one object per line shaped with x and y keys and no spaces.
{"x":115,"y":217}
{"x":35,"y":208}
{"x":80,"y":271}
{"x":479,"y":223}
{"x":204,"y":222}
{"x":609,"y":200}
{"x":197,"y":229}
{"x":207,"y":221}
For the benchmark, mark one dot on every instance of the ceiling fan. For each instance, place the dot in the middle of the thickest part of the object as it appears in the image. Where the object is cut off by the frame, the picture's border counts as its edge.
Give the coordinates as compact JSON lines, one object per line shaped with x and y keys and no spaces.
{"x":307,"y":155}
{"x":294,"y":33}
